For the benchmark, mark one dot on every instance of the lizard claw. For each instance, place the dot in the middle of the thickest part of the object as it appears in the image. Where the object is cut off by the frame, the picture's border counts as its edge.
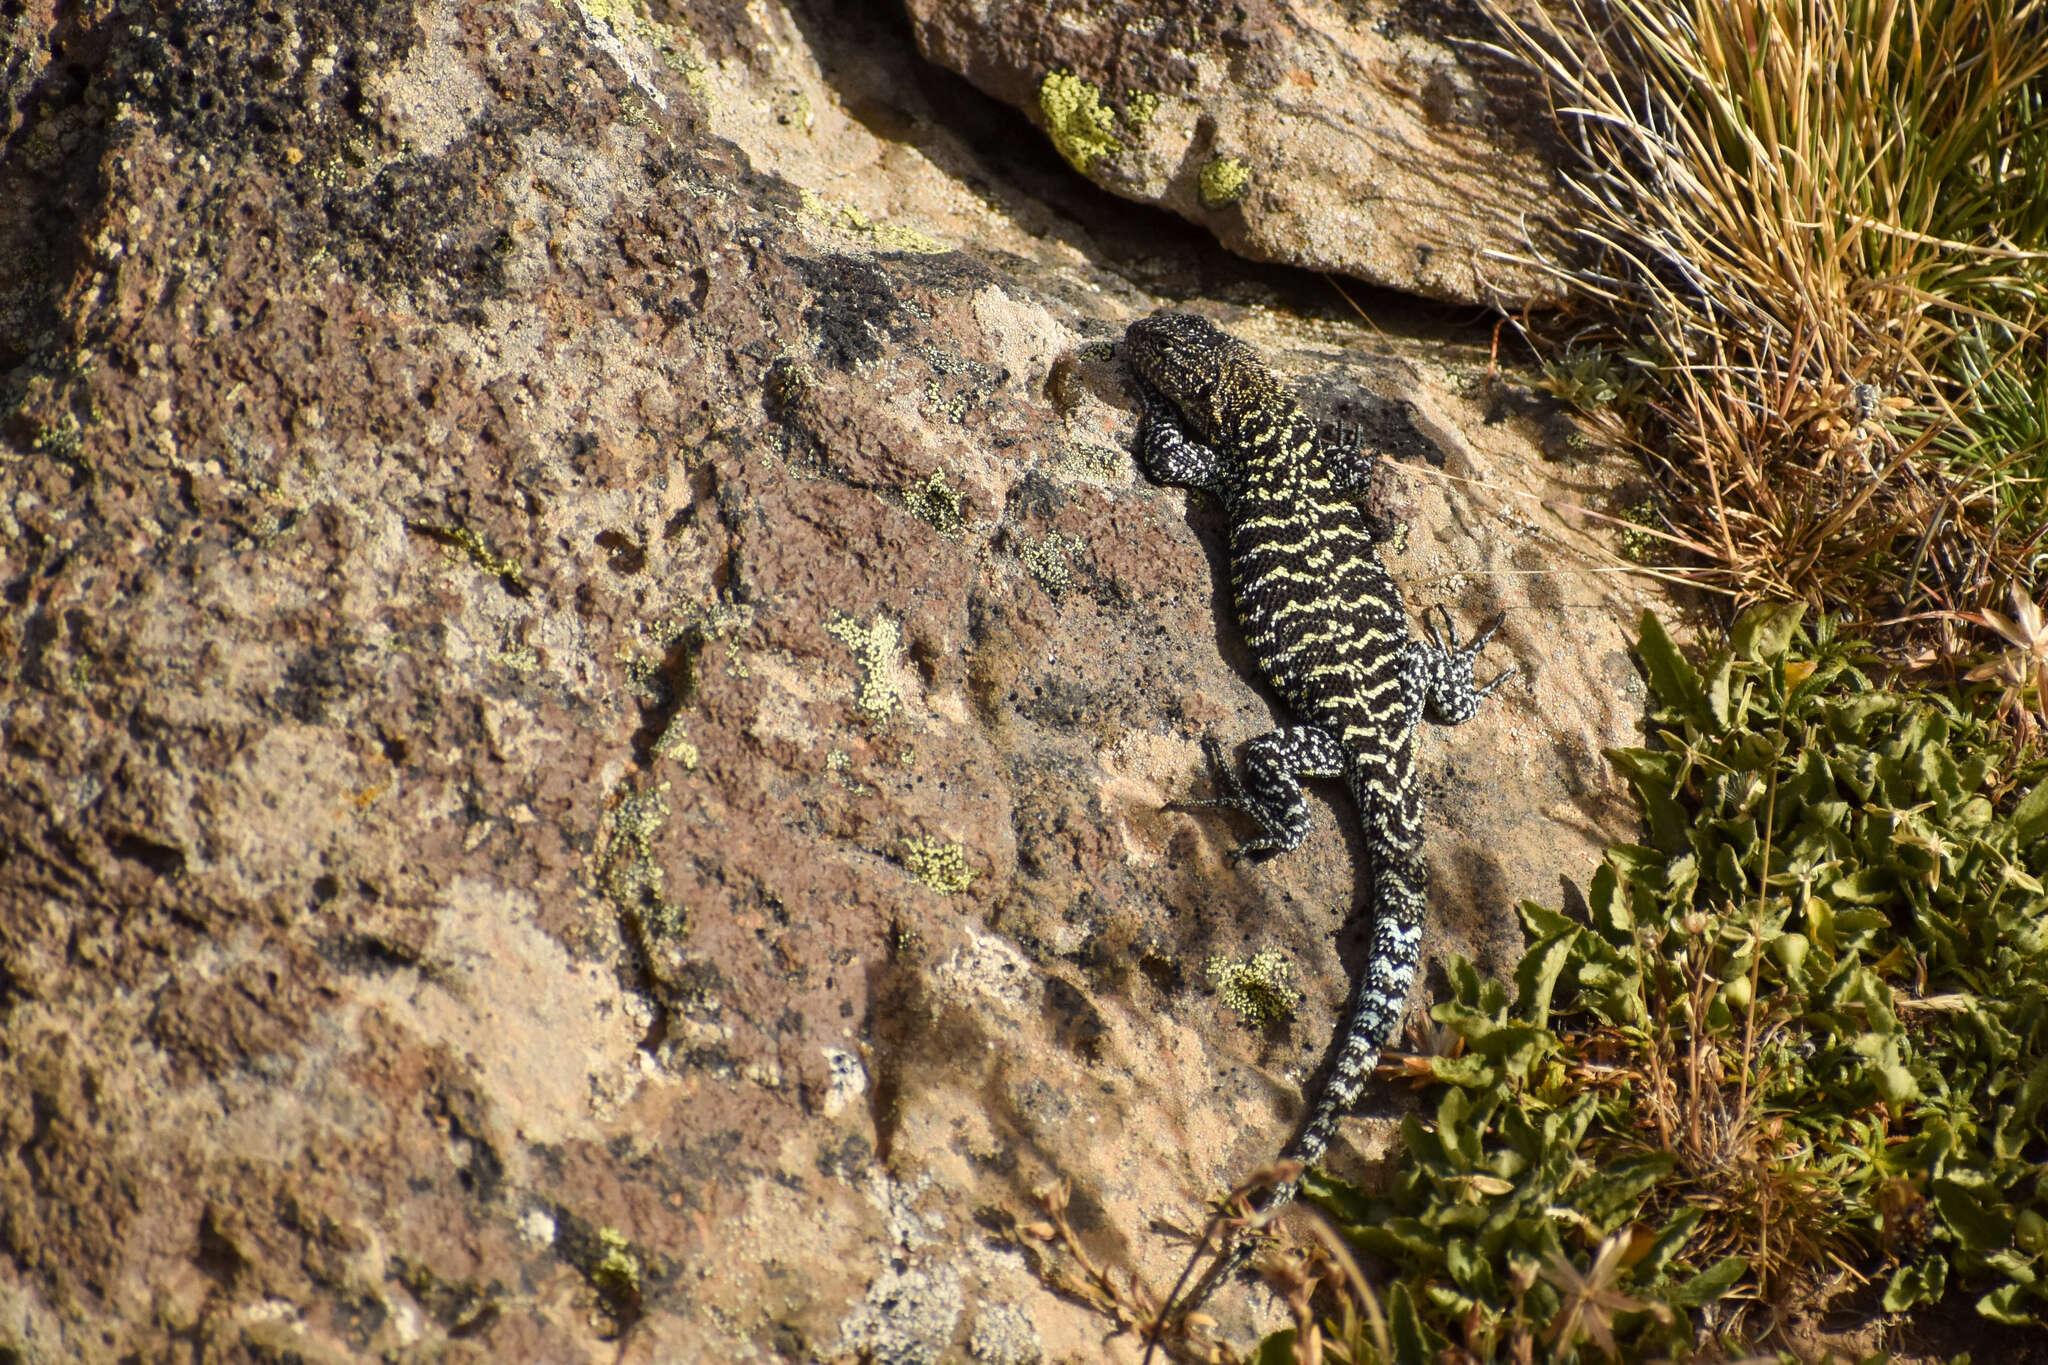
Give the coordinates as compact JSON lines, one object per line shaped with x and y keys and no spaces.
{"x":1496,"y":681}
{"x":1450,"y":633}
{"x":1230,"y":792}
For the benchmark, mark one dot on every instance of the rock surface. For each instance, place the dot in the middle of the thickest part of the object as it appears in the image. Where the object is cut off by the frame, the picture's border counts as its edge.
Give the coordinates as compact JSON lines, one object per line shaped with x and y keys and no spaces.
{"x":1375,"y":139}
{"x":587,"y":691}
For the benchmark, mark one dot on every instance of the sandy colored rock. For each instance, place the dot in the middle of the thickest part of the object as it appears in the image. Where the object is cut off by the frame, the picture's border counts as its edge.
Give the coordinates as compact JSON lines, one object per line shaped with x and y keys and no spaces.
{"x":587,"y":694}
{"x":1378,"y":140}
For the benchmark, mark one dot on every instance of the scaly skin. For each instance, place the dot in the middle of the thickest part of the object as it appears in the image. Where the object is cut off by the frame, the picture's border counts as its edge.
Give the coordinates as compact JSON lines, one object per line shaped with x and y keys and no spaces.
{"x":1330,"y":633}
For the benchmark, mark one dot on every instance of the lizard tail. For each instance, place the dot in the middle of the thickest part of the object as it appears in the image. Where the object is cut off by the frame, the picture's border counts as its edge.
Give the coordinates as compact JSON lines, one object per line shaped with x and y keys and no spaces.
{"x":1378,"y":1000}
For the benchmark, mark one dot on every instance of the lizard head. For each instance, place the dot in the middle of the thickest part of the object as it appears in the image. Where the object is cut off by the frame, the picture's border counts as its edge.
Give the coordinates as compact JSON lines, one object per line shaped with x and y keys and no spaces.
{"x":1215,"y":381}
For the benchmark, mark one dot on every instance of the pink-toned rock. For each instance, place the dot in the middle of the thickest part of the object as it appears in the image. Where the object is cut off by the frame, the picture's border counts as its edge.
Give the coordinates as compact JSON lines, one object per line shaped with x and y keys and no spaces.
{"x":1376,"y":140}
{"x":584,"y":712}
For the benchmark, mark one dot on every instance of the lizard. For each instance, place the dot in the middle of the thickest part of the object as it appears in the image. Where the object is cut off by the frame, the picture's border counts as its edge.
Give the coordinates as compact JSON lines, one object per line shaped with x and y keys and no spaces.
{"x":1329,"y":631}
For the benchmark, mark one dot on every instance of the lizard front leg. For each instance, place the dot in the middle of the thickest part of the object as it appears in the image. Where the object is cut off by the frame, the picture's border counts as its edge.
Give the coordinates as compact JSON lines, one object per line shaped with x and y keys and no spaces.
{"x":1444,"y":668}
{"x":1165,"y":452}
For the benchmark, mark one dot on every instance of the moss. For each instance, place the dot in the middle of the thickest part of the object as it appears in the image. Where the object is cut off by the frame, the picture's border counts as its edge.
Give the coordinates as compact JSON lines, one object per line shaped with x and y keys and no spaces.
{"x":1223,"y":181}
{"x":1255,"y":988}
{"x":1081,"y":126}
{"x":1643,"y":549}
{"x":874,"y":648}
{"x":941,"y":866}
{"x":937,"y":504}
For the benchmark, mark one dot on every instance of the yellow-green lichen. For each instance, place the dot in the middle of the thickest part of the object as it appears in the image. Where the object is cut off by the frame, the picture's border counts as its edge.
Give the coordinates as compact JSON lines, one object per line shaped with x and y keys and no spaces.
{"x":1046,"y":561}
{"x":616,"y":1274}
{"x":937,"y":504}
{"x":695,"y":627}
{"x":627,"y":872}
{"x":790,"y":383}
{"x":675,"y":743}
{"x":1080,"y":125}
{"x":886,"y":236}
{"x":1222,"y":182}
{"x":473,"y":547}
{"x":1255,"y":988}
{"x":839,"y":764}
{"x":63,"y":440}
{"x":874,"y":648}
{"x":941,"y":866}
{"x":1139,"y":107}
{"x":1087,"y":460}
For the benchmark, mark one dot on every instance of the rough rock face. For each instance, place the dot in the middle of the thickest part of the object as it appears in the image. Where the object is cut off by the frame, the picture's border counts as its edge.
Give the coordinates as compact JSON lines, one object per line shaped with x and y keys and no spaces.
{"x":1372,"y":139}
{"x":587,"y":692}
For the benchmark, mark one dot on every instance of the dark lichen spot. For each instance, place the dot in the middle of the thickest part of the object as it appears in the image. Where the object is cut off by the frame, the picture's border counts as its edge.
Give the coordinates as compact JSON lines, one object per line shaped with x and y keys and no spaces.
{"x":856,"y":312}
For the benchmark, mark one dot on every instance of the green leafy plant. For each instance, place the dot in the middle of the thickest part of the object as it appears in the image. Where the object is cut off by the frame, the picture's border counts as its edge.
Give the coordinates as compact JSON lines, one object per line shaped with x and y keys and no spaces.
{"x":1797,"y":1042}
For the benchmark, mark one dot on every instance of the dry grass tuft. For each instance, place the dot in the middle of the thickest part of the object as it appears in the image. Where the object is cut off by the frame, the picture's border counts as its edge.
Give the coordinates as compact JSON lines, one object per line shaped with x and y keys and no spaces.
{"x":1816,"y":265}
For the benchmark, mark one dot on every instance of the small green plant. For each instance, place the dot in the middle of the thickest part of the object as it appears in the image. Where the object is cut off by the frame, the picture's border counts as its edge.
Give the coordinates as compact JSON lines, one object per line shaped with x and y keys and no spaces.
{"x":1591,"y":377}
{"x":1638,"y":539}
{"x":1255,"y":988}
{"x":1805,"y":1028}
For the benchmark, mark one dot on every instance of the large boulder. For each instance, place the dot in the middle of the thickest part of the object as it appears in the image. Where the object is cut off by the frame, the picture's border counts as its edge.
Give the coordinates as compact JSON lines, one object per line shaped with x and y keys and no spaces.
{"x":1384,"y":141}
{"x":587,"y":707}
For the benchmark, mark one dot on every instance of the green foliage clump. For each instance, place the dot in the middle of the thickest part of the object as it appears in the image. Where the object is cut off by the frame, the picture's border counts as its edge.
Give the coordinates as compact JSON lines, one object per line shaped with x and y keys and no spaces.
{"x":1255,"y":988}
{"x":1806,"y":1026}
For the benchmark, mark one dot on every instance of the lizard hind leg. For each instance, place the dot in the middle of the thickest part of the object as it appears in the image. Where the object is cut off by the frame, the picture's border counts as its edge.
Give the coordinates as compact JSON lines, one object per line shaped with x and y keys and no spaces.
{"x":1270,"y":790}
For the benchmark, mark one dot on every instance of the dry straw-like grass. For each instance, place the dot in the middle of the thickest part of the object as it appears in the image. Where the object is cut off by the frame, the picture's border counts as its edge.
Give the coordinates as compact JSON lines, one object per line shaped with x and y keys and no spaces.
{"x":1816,"y":268}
